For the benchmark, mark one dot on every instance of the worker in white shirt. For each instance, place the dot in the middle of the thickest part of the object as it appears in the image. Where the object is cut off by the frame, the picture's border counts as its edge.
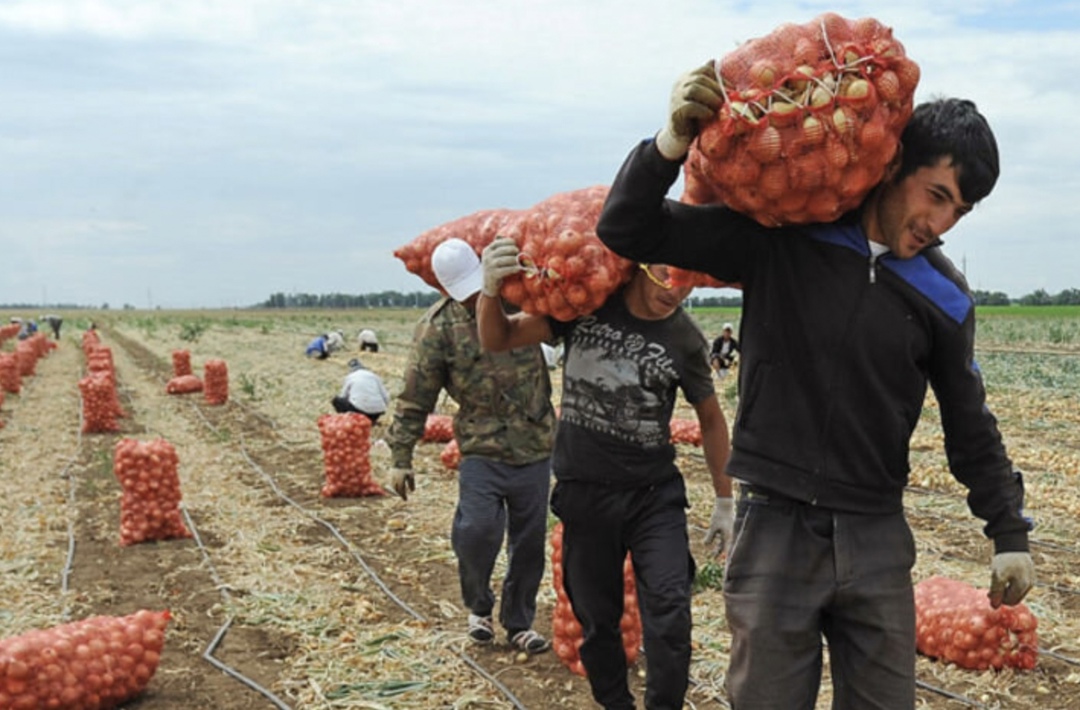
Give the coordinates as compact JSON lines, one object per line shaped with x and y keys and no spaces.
{"x":368,"y":340}
{"x":363,"y":392}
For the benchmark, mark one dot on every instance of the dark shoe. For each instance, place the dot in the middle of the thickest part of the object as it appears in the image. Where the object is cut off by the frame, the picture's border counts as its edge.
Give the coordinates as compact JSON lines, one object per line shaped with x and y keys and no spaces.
{"x":530,"y":642}
{"x":481,"y":629}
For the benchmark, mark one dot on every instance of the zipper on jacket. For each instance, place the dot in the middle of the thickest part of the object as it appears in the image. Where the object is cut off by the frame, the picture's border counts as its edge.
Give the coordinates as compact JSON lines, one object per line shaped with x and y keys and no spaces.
{"x":873,"y":270}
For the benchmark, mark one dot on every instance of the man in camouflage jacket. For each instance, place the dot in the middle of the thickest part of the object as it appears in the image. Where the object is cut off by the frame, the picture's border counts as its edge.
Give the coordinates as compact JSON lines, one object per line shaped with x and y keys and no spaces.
{"x":504,"y":427}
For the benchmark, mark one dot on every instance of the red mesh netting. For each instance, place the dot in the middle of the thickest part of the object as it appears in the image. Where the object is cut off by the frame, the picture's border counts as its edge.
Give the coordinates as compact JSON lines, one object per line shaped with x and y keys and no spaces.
{"x":567,"y":635}
{"x":216,"y":381}
{"x":955,"y":622}
{"x":346,"y":445}
{"x":98,"y":662}
{"x":812,"y":115}
{"x":150,"y":503}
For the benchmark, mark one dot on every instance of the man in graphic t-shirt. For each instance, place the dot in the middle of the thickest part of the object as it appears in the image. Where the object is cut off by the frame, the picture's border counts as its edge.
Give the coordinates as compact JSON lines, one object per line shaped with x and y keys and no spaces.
{"x":617,"y":485}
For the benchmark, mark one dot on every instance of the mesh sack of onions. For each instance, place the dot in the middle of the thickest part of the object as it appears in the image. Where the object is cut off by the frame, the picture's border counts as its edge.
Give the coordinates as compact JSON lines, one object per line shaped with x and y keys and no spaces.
{"x":216,"y":381}
{"x":150,"y":502}
{"x":89,"y":339}
{"x":95,"y":663}
{"x":98,"y":392}
{"x":184,"y":384}
{"x":478,"y":229}
{"x":685,"y":431}
{"x":451,"y":455}
{"x":26,"y":357}
{"x":567,"y":270}
{"x":438,"y":428}
{"x":346,"y":446}
{"x":181,"y":362}
{"x":10,"y":379}
{"x":567,"y":634}
{"x":812,"y":115}
{"x":99,"y":361}
{"x":955,"y":622}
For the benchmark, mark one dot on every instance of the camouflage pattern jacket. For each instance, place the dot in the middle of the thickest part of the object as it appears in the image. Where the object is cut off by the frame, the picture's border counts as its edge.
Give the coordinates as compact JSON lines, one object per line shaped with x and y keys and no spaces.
{"x":504,"y":399}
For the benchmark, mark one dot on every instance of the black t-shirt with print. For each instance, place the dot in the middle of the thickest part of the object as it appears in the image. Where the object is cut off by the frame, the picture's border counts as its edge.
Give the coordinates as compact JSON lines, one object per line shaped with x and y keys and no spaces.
{"x":620,"y":377}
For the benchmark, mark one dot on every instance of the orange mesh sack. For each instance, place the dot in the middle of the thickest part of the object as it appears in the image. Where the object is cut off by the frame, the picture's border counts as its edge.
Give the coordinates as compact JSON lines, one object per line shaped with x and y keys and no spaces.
{"x":568,"y":272}
{"x":685,"y":431}
{"x":346,"y":445}
{"x":451,"y":455}
{"x":955,"y":622}
{"x":150,"y":502}
{"x":98,"y":662}
{"x":812,"y":115}
{"x":181,"y":362}
{"x":438,"y":428}
{"x":184,"y":384}
{"x":216,"y":382}
{"x":478,"y":229}
{"x":99,"y":409}
{"x":10,"y":379}
{"x":567,"y":634}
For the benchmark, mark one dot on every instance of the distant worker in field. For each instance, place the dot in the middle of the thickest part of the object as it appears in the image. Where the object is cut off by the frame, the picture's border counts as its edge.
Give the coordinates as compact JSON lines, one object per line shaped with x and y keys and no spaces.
{"x":369,"y":342}
{"x":54,"y":322}
{"x":318,"y":347}
{"x":326,"y":343}
{"x":725,"y":351}
{"x":504,"y":426}
{"x":363,"y":392}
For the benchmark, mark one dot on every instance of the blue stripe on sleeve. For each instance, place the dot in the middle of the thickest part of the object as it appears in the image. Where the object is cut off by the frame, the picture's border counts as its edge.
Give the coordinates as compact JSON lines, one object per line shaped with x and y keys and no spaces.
{"x":933,"y":284}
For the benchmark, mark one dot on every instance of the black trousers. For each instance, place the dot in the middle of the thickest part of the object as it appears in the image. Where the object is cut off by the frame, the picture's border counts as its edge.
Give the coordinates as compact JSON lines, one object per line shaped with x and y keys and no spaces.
{"x":342,"y":405}
{"x":600,"y":525}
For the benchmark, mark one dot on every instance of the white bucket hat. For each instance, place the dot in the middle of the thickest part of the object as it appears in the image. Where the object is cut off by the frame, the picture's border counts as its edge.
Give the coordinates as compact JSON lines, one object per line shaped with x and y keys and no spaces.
{"x":457,"y":267}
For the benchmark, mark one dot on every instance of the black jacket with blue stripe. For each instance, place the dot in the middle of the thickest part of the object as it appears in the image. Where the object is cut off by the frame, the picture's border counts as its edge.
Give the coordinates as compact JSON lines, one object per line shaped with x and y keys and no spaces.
{"x":837,"y":349}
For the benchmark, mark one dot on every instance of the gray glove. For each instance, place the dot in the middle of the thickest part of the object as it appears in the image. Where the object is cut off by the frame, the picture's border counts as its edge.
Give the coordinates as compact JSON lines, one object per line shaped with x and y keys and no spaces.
{"x":499,"y":260}
{"x":1012,"y":575}
{"x":694,"y":100}
{"x":403,"y":482}
{"x":721,"y":526}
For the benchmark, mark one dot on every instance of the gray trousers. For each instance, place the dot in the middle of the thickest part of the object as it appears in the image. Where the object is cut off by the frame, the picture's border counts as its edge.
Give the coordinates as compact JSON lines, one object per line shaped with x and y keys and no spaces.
{"x":796,"y":574}
{"x":497,"y":501}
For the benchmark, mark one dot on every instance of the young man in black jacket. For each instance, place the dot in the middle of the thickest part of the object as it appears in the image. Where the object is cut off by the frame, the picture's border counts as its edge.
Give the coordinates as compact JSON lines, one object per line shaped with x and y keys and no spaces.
{"x":843,"y":326}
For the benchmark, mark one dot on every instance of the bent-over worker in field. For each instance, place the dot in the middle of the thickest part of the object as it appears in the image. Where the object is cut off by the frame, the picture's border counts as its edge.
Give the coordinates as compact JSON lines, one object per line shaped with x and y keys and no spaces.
{"x":617,"y":487}
{"x":363,"y":391}
{"x":843,"y":326}
{"x":504,"y":427}
{"x":368,"y":340}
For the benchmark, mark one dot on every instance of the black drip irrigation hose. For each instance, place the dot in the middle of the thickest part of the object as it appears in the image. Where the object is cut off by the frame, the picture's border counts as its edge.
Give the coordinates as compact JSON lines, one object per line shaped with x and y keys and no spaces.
{"x":476,"y":667}
{"x":208,"y":654}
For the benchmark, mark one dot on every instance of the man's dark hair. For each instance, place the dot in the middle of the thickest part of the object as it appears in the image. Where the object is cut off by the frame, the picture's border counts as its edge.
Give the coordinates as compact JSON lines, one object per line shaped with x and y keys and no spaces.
{"x":952,"y":128}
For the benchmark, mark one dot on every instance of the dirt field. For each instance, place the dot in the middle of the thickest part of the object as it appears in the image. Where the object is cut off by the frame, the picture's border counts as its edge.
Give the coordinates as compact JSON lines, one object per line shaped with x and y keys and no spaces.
{"x":285,"y":599}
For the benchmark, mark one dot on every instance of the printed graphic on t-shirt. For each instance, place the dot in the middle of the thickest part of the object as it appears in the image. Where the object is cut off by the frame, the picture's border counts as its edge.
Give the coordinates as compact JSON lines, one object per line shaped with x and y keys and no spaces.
{"x":618,"y":383}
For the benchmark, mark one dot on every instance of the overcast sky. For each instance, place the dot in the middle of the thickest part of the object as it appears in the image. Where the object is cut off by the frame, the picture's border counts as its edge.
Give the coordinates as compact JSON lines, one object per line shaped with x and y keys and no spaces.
{"x":209,"y":153}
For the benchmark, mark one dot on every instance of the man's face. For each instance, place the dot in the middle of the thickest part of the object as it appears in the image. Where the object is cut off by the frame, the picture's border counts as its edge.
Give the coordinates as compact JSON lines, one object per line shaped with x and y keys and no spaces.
{"x":914,"y":212}
{"x":660,"y":298}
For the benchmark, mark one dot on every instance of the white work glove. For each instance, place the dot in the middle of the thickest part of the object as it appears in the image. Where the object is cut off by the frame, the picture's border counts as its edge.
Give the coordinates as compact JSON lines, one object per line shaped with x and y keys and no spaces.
{"x":403,"y":482}
{"x":499,"y":260}
{"x":1012,"y":575}
{"x":721,"y":526}
{"x":694,"y":101}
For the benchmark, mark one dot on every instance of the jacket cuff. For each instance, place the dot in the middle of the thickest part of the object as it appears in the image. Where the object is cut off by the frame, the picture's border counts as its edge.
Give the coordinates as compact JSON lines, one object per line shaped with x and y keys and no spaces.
{"x":1011,"y":542}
